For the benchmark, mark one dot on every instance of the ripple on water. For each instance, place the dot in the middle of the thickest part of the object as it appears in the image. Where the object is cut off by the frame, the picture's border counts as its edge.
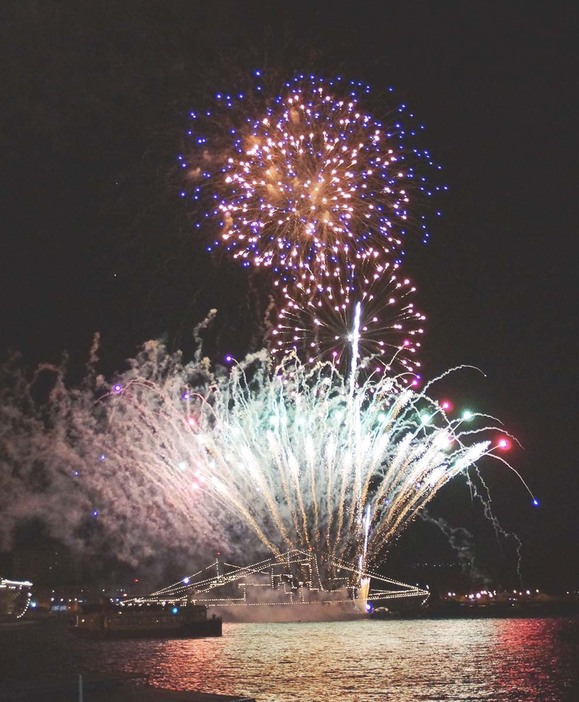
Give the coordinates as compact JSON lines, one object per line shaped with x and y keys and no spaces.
{"x":494,"y":660}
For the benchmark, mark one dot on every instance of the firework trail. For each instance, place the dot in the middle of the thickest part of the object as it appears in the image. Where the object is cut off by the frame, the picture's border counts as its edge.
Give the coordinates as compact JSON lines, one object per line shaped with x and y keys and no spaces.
{"x":296,"y":456}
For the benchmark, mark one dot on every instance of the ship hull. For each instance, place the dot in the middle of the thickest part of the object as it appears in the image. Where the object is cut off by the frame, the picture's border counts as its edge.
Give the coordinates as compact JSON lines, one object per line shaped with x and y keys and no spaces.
{"x":148,"y":623}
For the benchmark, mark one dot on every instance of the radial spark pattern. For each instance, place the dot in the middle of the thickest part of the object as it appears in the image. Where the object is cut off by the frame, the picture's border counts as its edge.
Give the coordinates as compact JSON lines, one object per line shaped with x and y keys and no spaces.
{"x":309,"y":178}
{"x":317,"y":321}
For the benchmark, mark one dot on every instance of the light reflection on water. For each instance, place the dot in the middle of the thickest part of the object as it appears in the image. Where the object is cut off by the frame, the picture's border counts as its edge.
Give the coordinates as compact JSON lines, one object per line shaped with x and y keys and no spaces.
{"x":494,"y":660}
{"x":454,"y":660}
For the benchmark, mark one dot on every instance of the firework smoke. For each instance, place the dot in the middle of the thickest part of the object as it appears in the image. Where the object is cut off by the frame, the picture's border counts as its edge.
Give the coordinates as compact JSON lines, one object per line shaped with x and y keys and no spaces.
{"x":172,"y":453}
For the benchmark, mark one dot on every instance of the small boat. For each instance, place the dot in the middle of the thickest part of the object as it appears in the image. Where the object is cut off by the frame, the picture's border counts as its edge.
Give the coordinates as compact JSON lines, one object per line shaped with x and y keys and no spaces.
{"x":147,"y":621}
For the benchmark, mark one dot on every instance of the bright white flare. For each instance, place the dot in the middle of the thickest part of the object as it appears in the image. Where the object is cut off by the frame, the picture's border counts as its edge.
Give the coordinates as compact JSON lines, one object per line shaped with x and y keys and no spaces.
{"x":317,"y":321}
{"x":299,"y":457}
{"x":302,"y":457}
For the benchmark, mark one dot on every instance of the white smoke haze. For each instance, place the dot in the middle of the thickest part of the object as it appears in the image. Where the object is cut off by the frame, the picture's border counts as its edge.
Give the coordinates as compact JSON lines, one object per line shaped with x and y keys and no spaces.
{"x":174,"y":457}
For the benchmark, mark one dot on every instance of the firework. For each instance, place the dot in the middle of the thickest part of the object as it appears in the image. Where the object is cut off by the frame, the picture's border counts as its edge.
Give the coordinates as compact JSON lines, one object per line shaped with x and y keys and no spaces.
{"x":308,"y":178}
{"x":309,"y":460}
{"x":299,"y":457}
{"x":305,"y":451}
{"x":316,"y":320}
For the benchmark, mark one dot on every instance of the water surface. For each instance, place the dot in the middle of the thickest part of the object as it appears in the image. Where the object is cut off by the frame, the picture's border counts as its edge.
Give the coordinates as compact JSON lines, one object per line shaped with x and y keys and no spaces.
{"x":530,"y":660}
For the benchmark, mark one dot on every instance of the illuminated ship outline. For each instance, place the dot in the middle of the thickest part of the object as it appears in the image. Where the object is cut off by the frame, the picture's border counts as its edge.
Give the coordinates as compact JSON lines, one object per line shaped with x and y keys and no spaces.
{"x":15,"y":597}
{"x":289,"y":581}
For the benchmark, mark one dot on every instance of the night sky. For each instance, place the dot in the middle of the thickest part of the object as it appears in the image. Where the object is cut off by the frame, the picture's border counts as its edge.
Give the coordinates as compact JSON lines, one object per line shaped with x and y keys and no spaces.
{"x":95,"y":237}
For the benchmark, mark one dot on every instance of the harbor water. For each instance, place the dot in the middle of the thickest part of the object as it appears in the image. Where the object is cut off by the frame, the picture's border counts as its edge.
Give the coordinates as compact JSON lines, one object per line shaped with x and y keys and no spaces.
{"x":497,"y":660}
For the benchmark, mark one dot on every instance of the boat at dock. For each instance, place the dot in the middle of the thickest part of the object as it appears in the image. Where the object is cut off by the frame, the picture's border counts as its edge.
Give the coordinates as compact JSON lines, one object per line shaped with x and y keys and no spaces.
{"x":147,"y":621}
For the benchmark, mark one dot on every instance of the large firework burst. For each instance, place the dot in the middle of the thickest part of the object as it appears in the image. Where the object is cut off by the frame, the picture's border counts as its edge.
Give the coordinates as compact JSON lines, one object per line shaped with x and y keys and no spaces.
{"x":296,"y":456}
{"x":310,"y":178}
{"x":311,"y":186}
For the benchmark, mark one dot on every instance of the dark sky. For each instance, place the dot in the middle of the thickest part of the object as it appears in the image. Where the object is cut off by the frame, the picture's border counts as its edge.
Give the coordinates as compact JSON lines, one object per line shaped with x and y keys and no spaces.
{"x":94,"y":236}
